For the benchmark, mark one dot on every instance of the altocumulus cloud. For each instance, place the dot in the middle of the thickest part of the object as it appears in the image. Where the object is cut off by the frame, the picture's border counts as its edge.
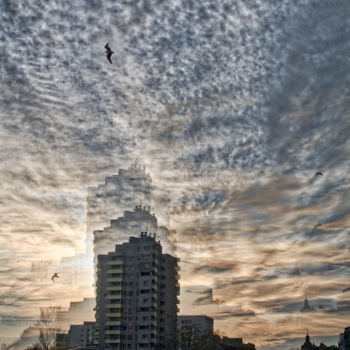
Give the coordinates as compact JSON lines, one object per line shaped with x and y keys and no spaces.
{"x":232,"y":107}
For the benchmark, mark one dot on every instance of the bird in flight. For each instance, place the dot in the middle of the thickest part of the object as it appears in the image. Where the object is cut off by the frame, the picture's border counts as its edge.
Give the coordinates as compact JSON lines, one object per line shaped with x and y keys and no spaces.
{"x":55,"y":275}
{"x":318,"y":174}
{"x":109,"y":52}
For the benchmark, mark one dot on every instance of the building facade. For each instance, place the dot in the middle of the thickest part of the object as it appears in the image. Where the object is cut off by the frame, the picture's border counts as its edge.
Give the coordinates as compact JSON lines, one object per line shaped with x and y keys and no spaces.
{"x":199,"y":324}
{"x":82,"y":334}
{"x":137,"y":296}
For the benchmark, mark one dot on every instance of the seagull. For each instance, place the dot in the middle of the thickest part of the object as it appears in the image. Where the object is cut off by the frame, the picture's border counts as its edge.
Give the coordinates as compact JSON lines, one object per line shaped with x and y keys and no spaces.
{"x":109,"y":52}
{"x":318,"y":173}
{"x":55,"y":275}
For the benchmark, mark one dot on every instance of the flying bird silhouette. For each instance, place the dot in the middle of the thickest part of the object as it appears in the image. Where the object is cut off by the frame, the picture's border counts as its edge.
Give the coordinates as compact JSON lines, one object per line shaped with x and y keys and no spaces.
{"x":109,"y":52}
{"x":55,"y":275}
{"x":318,"y":174}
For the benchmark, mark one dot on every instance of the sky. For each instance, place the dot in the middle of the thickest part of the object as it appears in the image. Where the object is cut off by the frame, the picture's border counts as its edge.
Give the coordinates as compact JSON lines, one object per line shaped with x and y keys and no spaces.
{"x":232,"y":106}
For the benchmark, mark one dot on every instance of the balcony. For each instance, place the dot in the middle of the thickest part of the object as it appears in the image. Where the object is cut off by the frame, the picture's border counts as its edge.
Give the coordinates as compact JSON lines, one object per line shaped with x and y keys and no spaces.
{"x":113,"y":341}
{"x":114,"y":288}
{"x":115,"y":262}
{"x":112,"y":331}
{"x":120,"y":270}
{"x":114,"y":279}
{"x":113,"y":323}
{"x":113,"y":306}
{"x":114,"y":297}
{"x":113,"y":314}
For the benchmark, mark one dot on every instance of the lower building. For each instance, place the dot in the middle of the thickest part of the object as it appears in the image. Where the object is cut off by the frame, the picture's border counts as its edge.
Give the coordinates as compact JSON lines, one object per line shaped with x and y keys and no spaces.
{"x":199,"y":324}
{"x":195,"y":332}
{"x":344,"y":343}
{"x":235,"y":344}
{"x":82,"y":334}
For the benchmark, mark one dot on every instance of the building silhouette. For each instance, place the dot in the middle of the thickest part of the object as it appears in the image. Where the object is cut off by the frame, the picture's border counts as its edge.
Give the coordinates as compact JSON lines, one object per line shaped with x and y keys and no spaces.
{"x":82,"y":334}
{"x":199,"y":324}
{"x":136,"y":220}
{"x":137,"y":296}
{"x":307,"y":344}
{"x":307,"y":307}
{"x":344,"y":342}
{"x":228,"y":343}
{"x":110,"y":215}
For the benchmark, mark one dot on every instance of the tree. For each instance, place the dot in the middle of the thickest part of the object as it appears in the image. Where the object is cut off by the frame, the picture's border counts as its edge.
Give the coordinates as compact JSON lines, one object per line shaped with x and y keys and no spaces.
{"x":191,"y":338}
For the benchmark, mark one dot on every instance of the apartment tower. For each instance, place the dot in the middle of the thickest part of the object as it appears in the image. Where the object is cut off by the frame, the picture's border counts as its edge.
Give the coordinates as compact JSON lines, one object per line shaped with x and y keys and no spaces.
{"x":137,"y":296}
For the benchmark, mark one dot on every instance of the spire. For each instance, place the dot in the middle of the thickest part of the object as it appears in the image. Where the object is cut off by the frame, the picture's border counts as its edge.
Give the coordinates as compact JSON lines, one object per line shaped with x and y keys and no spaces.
{"x":306,"y":307}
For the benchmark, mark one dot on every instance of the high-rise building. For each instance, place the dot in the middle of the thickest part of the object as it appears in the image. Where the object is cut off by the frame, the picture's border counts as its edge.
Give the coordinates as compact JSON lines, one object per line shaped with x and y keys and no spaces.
{"x":137,"y":296}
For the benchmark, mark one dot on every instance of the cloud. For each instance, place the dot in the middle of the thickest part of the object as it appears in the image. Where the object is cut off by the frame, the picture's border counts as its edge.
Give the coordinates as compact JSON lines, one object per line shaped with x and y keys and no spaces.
{"x":224,"y":315}
{"x":206,"y":296}
{"x":231,"y":107}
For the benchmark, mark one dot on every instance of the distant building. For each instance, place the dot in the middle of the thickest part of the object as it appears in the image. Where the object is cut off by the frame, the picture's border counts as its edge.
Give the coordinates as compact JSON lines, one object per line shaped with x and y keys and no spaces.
{"x":344,"y":343}
{"x":77,"y":313}
{"x":81,"y":335}
{"x":201,"y":324}
{"x":232,"y":341}
{"x":110,"y":199}
{"x":235,"y":344}
{"x":307,"y":344}
{"x":119,"y":230}
{"x":307,"y":307}
{"x":136,"y":302}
